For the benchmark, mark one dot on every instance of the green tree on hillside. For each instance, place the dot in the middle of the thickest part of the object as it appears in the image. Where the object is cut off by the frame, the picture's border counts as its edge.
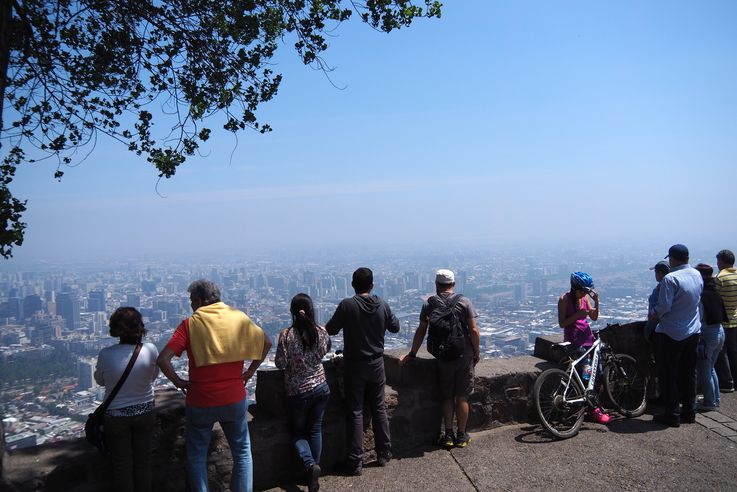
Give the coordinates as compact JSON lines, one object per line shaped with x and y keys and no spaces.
{"x":71,"y":70}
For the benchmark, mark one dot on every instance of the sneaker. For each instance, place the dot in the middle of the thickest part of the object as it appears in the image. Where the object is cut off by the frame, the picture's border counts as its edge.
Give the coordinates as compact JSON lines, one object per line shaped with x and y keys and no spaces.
{"x":668,"y":420}
{"x":726,"y":390}
{"x":462,"y":440}
{"x":313,"y":478}
{"x":383,"y":458}
{"x":598,"y":415}
{"x":700,"y":407}
{"x":448,"y":440}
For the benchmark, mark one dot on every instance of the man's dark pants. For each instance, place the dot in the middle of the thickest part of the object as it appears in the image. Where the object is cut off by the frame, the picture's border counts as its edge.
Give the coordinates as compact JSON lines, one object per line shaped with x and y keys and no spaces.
{"x":365,"y":381}
{"x":677,"y":374}
{"x":726,"y":365}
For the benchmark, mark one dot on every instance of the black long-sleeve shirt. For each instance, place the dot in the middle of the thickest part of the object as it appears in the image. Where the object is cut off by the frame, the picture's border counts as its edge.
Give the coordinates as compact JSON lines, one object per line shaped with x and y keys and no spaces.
{"x":364,"y":319}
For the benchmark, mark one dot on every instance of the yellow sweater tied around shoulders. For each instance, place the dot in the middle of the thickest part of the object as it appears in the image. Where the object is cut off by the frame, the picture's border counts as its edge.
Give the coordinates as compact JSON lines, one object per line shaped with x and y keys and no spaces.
{"x":219,"y":334}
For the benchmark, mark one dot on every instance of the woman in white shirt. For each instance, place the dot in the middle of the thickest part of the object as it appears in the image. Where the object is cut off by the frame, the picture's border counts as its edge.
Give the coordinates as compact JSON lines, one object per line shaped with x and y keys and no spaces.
{"x":130,"y":418}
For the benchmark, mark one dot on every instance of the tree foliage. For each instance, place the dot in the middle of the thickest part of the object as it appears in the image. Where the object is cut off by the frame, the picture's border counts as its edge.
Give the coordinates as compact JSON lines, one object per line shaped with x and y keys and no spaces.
{"x":71,"y":70}
{"x":57,"y":364}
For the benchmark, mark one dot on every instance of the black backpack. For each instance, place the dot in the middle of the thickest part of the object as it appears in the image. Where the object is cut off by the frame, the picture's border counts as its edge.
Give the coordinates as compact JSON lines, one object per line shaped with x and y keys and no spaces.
{"x":446,"y":334}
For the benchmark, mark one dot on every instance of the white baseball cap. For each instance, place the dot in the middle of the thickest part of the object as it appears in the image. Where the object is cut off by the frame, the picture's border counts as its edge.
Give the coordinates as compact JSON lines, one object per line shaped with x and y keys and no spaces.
{"x":444,"y":276}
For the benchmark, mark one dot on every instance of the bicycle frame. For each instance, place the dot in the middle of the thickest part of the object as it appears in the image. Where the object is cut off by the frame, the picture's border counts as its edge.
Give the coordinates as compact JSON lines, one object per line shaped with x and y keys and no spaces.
{"x":595,"y":349}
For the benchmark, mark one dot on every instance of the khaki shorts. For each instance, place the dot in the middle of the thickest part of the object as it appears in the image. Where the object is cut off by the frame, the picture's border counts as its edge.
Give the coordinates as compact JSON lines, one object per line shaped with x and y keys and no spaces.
{"x":455,"y":377}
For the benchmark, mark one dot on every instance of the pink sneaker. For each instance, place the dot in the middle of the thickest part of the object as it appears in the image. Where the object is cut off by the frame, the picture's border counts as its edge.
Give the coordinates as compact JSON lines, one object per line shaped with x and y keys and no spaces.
{"x":600,"y":416}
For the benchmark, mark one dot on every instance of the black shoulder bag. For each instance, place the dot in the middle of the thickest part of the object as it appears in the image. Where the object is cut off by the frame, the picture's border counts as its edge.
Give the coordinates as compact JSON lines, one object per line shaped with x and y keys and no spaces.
{"x":94,"y":427}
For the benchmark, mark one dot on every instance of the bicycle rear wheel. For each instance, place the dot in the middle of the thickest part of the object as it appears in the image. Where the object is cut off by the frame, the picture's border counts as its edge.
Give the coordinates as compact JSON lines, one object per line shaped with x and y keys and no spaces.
{"x":553,"y":394}
{"x":626,"y":385}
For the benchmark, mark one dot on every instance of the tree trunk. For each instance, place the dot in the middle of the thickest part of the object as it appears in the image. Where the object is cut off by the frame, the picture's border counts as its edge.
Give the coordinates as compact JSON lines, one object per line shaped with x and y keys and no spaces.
{"x":6,"y":11}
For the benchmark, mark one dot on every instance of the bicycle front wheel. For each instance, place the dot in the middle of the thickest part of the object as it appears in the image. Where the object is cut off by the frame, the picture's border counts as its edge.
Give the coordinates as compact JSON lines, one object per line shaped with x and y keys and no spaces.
{"x":554,"y":393}
{"x":626,"y":385}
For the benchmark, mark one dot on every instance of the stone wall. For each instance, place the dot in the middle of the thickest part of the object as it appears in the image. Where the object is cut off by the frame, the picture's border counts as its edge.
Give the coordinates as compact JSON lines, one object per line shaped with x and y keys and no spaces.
{"x":502,"y":395}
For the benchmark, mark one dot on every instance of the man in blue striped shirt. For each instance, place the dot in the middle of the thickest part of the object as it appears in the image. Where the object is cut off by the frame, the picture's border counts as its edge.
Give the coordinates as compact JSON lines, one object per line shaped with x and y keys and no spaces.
{"x":677,"y":311}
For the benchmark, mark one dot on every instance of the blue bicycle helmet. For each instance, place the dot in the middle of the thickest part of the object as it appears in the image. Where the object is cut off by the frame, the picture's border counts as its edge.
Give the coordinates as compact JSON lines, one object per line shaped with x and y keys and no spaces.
{"x":582,"y":280}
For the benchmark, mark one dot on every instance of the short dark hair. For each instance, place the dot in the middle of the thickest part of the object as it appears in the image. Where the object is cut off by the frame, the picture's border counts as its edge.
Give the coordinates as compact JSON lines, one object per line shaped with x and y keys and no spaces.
{"x":363,"y":280}
{"x":126,"y":323}
{"x":726,"y":256}
{"x":204,"y":291}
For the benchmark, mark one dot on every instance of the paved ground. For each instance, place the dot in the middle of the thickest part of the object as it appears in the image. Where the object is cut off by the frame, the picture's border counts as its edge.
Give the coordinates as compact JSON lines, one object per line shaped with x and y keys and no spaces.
{"x":634,"y":454}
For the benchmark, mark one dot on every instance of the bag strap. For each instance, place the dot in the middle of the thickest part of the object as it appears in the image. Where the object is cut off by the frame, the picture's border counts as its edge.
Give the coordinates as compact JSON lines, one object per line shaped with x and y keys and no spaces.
{"x":120,"y":382}
{"x":456,"y":300}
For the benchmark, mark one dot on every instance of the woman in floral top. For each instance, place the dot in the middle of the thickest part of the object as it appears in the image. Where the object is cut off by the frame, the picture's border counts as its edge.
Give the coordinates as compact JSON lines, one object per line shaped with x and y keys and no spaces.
{"x":299,"y":352}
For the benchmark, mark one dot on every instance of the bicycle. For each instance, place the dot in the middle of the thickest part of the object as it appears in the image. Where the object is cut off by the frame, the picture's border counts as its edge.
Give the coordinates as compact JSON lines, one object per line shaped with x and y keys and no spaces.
{"x":562,"y":398}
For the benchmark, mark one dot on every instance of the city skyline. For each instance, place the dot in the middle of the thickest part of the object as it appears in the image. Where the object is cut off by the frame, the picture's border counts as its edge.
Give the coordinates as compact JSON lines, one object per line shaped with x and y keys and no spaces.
{"x":58,"y":318}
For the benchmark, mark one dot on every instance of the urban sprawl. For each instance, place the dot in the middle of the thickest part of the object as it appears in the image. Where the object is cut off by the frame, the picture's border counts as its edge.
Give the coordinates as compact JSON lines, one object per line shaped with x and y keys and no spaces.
{"x":60,"y":315}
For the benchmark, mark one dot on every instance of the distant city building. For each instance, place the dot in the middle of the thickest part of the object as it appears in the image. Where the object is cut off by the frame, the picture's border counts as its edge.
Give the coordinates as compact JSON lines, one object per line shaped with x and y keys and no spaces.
{"x":99,"y":323}
{"x":133,"y":300}
{"x":20,"y":441}
{"x":96,"y":300}
{"x":148,"y":286}
{"x":86,"y":374}
{"x":67,"y":306}
{"x":15,"y":308}
{"x":45,"y":328}
{"x":32,"y":304}
{"x":520,"y":293}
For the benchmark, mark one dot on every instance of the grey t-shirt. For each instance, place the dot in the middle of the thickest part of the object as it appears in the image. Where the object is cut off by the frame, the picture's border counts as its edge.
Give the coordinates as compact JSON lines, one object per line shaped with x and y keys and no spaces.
{"x":138,"y":387}
{"x":464,"y":309}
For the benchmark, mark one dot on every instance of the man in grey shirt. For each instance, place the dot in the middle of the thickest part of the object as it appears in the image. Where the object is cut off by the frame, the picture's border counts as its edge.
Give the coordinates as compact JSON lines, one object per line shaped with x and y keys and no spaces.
{"x":455,"y":376}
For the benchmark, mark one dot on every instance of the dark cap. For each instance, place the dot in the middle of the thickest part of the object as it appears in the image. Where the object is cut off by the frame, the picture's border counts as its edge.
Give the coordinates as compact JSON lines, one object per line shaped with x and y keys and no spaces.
{"x":678,"y":252}
{"x":705,"y":270}
{"x":661,"y":266}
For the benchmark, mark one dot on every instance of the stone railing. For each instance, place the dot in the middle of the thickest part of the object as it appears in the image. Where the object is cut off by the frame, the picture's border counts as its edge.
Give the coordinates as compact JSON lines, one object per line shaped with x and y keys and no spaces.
{"x":502,"y":390}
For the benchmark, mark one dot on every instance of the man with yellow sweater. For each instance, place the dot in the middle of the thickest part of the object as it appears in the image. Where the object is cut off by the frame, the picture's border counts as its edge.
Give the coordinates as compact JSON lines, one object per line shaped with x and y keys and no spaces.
{"x":217,"y":339}
{"x":727,"y":287}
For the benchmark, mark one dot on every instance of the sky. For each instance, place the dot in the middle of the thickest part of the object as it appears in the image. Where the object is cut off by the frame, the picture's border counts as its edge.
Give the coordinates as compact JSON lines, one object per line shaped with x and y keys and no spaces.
{"x":504,"y":123}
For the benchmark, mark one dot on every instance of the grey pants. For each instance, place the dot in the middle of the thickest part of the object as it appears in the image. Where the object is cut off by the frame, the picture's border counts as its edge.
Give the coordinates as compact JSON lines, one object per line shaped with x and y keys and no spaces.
{"x":365,"y":381}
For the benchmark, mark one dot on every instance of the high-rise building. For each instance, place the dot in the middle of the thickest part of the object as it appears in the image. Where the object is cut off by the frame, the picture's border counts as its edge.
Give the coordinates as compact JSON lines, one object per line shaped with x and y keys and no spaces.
{"x":96,"y":301}
{"x":15,"y":308}
{"x":520,"y":293}
{"x":99,"y":323}
{"x":133,"y":300}
{"x":148,"y":286}
{"x":86,"y":374}
{"x":67,"y":306}
{"x":461,"y":281}
{"x":32,"y":304}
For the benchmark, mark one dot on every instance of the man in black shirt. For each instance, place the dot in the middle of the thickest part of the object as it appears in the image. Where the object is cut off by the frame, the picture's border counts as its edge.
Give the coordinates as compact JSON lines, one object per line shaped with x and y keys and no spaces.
{"x":364,"y":318}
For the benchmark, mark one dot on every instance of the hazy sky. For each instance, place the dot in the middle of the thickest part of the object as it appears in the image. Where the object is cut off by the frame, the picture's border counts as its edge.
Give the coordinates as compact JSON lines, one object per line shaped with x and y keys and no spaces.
{"x":504,"y":122}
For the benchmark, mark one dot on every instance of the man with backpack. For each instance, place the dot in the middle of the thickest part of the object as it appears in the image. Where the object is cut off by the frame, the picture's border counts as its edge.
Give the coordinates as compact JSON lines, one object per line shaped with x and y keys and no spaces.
{"x":453,"y":339}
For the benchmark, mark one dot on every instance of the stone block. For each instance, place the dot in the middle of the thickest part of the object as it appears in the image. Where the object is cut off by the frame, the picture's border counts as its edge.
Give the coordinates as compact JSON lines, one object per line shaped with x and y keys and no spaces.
{"x":414,"y":416}
{"x":731,"y":425}
{"x":724,"y":431}
{"x":419,"y":372}
{"x":270,"y":393}
{"x":704,"y":420}
{"x":718,"y":417}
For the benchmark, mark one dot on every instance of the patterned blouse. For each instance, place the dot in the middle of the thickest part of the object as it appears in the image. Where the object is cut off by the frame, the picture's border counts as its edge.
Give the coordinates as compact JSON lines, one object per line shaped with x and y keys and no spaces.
{"x":303,"y":369}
